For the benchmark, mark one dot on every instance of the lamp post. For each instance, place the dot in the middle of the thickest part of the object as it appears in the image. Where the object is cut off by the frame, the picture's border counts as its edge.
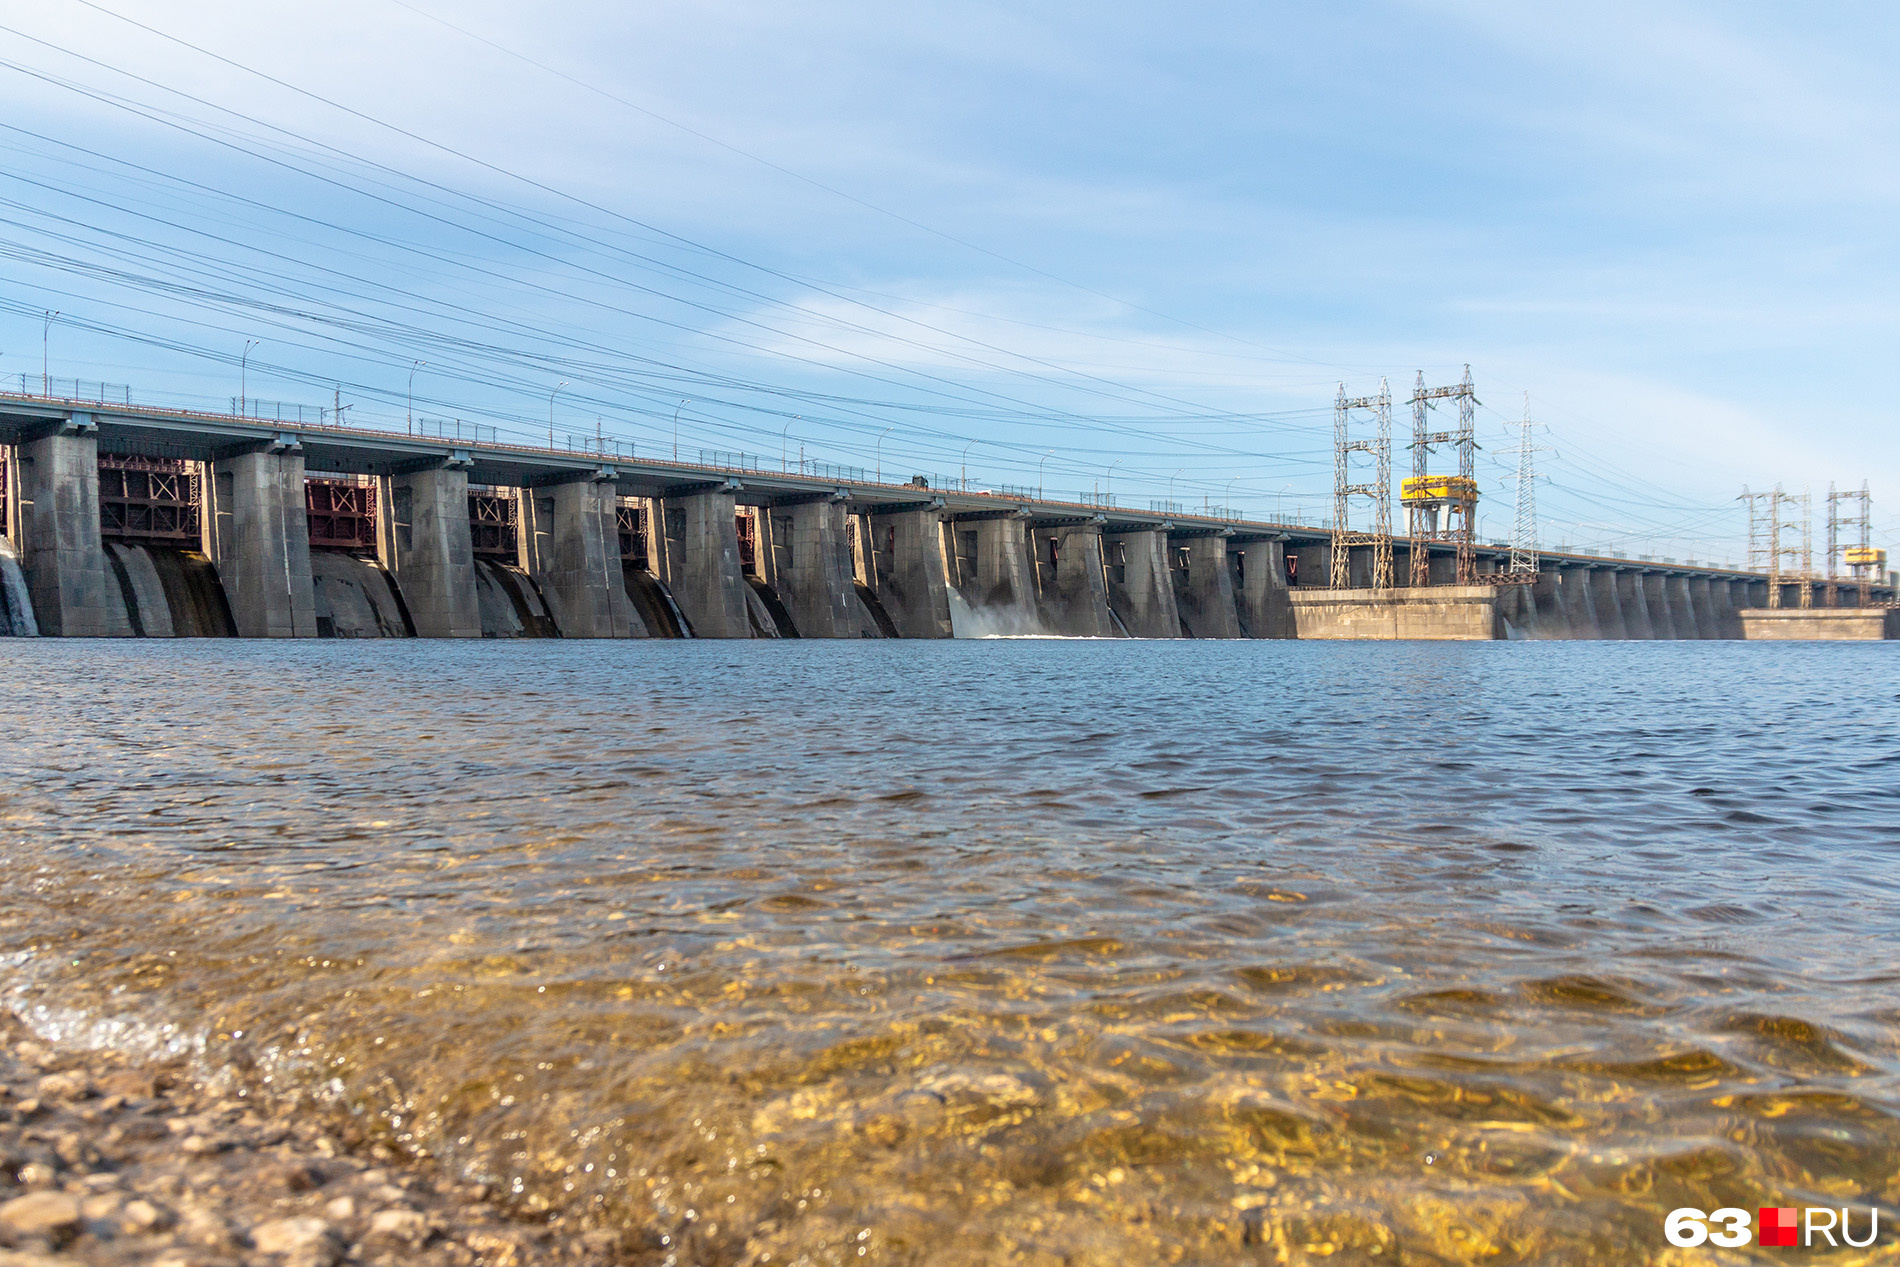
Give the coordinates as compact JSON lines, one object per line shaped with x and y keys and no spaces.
{"x":1171,"y":480}
{"x":411,"y":411}
{"x":1111,"y":480}
{"x":244,"y":365}
{"x":1279,"y":501}
{"x":785,"y":442}
{"x":1045,"y":457}
{"x":963,"y":470}
{"x":46,"y":337}
{"x":684,"y":401}
{"x":880,"y":453}
{"x":1227,"y":498}
{"x":551,"y":395}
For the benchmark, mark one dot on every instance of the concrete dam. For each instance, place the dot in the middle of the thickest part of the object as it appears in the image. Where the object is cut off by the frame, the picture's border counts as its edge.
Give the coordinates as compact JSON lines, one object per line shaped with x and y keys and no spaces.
{"x":124,"y":520}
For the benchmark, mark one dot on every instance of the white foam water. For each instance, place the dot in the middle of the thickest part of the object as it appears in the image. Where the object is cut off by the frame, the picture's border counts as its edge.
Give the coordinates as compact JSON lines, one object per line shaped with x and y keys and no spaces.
{"x":16,"y":604}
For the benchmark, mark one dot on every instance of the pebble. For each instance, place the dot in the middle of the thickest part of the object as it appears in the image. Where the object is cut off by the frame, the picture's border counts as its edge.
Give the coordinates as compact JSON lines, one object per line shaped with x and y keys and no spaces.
{"x":43,"y":1215}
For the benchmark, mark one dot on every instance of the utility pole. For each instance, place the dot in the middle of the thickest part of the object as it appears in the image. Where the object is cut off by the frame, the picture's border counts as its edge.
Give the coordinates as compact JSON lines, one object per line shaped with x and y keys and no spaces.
{"x":412,"y":400}
{"x":1524,"y":526}
{"x":1379,"y":492}
{"x":1442,"y":507}
{"x":551,"y":395}
{"x":46,"y":339}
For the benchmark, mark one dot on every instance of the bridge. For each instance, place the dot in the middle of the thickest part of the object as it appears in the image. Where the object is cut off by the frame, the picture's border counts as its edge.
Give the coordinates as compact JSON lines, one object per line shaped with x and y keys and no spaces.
{"x":128,"y":519}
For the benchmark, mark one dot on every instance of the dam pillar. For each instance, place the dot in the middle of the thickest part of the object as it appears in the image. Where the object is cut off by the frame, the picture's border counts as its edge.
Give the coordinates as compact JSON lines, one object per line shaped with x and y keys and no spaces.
{"x":1260,"y":588}
{"x":906,"y":566}
{"x":570,"y":542}
{"x":1702,"y":603}
{"x":1141,"y":584}
{"x":704,"y":570}
{"x":1608,"y":604}
{"x":1636,"y":620}
{"x":259,"y":536}
{"x":1655,"y":590}
{"x":810,"y":549}
{"x":1069,"y":575}
{"x":1682,"y":613}
{"x":1002,"y":587}
{"x":1571,"y":599}
{"x":1206,"y":586}
{"x":57,"y":527}
{"x":428,"y":548}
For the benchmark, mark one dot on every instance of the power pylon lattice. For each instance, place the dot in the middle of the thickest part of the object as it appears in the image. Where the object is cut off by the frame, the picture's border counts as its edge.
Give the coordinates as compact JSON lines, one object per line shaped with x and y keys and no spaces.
{"x":1757,"y":531}
{"x":1781,"y":507}
{"x":1442,"y":508}
{"x":1523,"y":565}
{"x":1378,"y":492}
{"x":1862,"y":559}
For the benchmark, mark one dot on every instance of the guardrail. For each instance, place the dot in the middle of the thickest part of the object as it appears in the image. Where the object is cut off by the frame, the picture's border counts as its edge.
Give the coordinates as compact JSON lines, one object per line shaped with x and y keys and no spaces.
{"x":272,"y":410}
{"x":78,"y":390}
{"x":722,"y":460}
{"x":603,"y":446}
{"x":456,"y":429}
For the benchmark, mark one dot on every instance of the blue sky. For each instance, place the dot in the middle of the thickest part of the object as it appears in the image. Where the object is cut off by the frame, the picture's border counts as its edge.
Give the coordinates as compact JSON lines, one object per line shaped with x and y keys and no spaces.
{"x":1089,"y":244}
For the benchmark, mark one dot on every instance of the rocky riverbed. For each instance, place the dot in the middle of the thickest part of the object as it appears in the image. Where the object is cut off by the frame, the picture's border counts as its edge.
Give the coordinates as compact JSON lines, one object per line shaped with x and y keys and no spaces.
{"x":108,"y":1161}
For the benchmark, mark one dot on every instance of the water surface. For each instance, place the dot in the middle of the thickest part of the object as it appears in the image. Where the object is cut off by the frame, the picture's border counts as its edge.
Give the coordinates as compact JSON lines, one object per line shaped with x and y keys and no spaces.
{"x":1002,"y":952}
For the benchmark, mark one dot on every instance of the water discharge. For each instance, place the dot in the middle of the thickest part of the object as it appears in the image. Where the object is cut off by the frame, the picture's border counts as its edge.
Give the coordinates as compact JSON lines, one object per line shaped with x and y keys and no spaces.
{"x":16,"y":603}
{"x":1096,"y":952}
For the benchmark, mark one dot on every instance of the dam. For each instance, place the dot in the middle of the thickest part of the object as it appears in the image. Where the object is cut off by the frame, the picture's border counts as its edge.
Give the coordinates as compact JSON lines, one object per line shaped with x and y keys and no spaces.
{"x":123,"y":520}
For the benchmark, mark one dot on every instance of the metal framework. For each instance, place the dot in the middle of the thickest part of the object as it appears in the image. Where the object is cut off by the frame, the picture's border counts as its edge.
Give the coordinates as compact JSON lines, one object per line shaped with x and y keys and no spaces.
{"x":149,"y":499}
{"x":341,"y":514}
{"x":1757,"y":531}
{"x":1862,"y":560}
{"x":632,"y":520}
{"x":1524,"y":524}
{"x":491,"y":525}
{"x":1803,"y":554}
{"x":1378,"y":492}
{"x":1442,"y":508}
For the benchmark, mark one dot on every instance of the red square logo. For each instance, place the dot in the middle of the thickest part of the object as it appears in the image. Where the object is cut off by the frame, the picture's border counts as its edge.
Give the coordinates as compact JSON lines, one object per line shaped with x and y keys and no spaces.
{"x":1777,"y":1226}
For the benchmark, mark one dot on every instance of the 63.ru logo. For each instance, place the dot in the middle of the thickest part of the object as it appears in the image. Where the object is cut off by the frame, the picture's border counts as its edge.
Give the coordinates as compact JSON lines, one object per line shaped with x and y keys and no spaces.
{"x":1729,"y":1227}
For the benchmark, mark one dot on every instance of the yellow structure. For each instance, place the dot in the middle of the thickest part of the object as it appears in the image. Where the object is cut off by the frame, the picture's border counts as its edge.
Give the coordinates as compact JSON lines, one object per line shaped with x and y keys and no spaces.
{"x":1427,"y":489}
{"x":1863,"y":556}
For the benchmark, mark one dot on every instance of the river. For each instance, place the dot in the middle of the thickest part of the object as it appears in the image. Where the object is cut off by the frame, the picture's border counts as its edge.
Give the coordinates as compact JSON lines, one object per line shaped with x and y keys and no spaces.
{"x":1002,"y":951}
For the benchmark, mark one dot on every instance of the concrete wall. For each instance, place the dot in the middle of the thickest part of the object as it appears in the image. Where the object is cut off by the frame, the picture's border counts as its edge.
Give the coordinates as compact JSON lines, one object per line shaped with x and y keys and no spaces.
{"x":1821,"y":624}
{"x":56,"y":526}
{"x":570,"y":545}
{"x":1141,"y":587}
{"x":426,"y":546}
{"x":1662,"y":619}
{"x":1204,"y":589}
{"x":1260,"y":588}
{"x":908,"y":572}
{"x":258,"y":535}
{"x":1073,"y":592}
{"x":1441,"y":612}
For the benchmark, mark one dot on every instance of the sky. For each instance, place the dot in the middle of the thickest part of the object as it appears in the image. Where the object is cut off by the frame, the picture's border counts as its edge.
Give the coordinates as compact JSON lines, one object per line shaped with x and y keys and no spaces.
{"x":1104,"y":248}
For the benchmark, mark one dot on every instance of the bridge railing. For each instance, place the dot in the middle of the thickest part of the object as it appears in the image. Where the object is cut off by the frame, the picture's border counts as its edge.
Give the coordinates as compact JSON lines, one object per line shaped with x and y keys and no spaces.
{"x":456,"y":429}
{"x":78,"y":390}
{"x":604,"y":446}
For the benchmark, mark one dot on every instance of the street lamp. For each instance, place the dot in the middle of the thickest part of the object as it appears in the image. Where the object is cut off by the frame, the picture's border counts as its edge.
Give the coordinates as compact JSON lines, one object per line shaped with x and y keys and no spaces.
{"x":1045,"y":457}
{"x":46,"y":335}
{"x":784,"y":444}
{"x":551,"y":395}
{"x":963,"y":471}
{"x":1279,"y":501}
{"x":244,"y":365}
{"x":880,"y":453}
{"x":1171,"y":480}
{"x":1111,"y":480}
{"x":684,"y":401}
{"x":1228,"y":498}
{"x":411,"y":414}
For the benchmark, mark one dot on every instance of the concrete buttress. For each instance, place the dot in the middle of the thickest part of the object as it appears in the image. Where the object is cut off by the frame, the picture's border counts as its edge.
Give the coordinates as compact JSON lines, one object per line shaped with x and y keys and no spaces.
{"x":1074,"y":591}
{"x":570,"y":541}
{"x":909,"y":573}
{"x":1260,"y":590}
{"x":61,"y":551}
{"x":1607,"y":604}
{"x":1682,"y":607}
{"x":1141,"y":585}
{"x":259,"y":532}
{"x":427,"y":549}
{"x":1206,"y":593}
{"x":1636,"y":618}
{"x":1004,"y":588}
{"x":703,"y":566}
{"x":1662,"y":616}
{"x":812,"y":568}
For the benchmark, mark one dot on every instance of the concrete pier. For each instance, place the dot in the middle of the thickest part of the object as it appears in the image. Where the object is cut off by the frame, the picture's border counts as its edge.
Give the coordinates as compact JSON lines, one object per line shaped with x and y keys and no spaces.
{"x":1655,"y":595}
{"x":425,"y":544}
{"x":570,"y":545}
{"x":1002,"y":591}
{"x":1204,"y":588}
{"x":908,"y":570}
{"x":1071,"y":581}
{"x":258,"y":535}
{"x":1682,"y":609}
{"x":1141,"y":584}
{"x":704,"y":572}
{"x":57,"y":527}
{"x":811,"y":568}
{"x":1466,"y":613}
{"x":1260,"y":588}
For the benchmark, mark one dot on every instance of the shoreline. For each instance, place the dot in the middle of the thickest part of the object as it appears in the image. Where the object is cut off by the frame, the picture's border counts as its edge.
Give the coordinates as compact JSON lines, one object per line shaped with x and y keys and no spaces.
{"x":113,"y":1160}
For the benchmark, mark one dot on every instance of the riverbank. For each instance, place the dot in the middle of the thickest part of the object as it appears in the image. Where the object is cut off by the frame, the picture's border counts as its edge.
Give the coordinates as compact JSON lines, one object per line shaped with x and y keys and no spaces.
{"x":109,"y":1161}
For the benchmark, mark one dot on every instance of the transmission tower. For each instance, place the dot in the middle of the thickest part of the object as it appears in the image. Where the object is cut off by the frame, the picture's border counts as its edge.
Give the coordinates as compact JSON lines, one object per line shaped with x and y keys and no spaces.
{"x":1440,"y":508}
{"x":1524,"y":526}
{"x":1861,"y":558}
{"x":1378,"y":492}
{"x":1757,"y":548}
{"x":1802,"y":555}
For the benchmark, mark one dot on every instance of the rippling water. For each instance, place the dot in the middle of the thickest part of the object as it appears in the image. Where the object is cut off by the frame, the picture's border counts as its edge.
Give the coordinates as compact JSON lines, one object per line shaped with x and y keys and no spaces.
{"x":1037,"y":952}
